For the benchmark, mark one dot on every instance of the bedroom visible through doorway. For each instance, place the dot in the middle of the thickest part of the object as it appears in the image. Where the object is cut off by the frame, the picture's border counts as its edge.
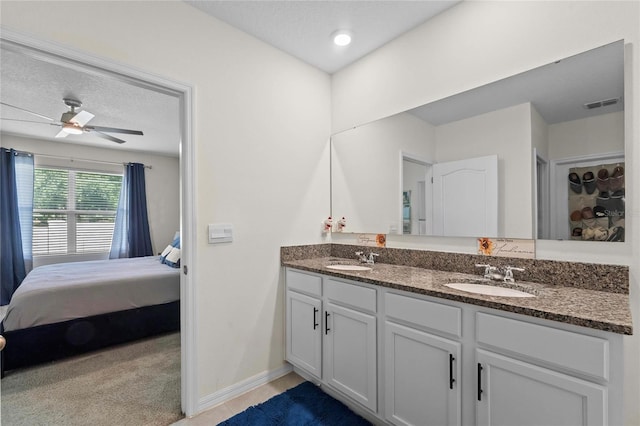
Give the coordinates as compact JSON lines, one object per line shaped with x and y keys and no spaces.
{"x":96,"y":69}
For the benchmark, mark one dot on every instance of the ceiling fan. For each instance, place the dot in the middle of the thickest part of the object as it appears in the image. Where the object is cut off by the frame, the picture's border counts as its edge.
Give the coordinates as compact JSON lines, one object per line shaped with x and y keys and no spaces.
{"x":75,"y":122}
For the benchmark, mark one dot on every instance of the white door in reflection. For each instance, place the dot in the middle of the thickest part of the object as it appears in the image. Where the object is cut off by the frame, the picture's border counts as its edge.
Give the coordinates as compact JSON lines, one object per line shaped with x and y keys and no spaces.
{"x":465,"y":197}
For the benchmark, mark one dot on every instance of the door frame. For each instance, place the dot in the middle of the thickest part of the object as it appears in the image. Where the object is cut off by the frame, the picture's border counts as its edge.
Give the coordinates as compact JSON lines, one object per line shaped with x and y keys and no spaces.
{"x":541,"y":196}
{"x":87,"y":62}
{"x":559,"y":189}
{"x":428,"y":197}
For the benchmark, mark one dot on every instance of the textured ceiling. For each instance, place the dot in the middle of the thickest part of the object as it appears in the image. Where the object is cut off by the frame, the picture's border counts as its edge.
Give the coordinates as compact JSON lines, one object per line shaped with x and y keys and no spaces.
{"x":38,"y":85}
{"x":304,"y":28}
{"x":558,"y":91}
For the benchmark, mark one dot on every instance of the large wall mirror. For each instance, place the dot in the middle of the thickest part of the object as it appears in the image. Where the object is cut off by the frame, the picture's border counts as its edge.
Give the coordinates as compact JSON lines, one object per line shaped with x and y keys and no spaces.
{"x":536,"y":155}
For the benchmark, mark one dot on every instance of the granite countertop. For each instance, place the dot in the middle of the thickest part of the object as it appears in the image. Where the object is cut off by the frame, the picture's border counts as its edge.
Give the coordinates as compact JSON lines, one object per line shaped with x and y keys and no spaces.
{"x":599,"y":310}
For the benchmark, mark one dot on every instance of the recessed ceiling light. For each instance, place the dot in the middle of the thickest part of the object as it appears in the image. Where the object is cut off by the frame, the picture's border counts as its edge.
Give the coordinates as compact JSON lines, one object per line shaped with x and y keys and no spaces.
{"x":341,"y":38}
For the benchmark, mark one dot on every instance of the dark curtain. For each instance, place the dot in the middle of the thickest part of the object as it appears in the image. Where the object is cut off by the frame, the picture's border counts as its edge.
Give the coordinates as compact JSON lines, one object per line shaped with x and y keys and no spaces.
{"x":131,"y":236}
{"x":12,"y":256}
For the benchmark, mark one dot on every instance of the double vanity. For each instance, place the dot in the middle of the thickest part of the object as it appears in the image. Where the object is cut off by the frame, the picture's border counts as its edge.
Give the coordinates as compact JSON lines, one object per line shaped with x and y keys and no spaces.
{"x":400,"y":344}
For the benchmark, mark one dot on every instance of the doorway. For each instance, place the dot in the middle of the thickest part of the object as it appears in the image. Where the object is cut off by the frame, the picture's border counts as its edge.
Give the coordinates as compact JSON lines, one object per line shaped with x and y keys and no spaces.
{"x":416,"y":216}
{"x":541,"y":200}
{"x":559,"y":193}
{"x":55,"y":53}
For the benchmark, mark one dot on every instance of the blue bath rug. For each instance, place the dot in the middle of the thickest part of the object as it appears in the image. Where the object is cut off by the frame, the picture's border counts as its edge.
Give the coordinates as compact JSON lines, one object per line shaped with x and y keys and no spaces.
{"x":303,"y":405}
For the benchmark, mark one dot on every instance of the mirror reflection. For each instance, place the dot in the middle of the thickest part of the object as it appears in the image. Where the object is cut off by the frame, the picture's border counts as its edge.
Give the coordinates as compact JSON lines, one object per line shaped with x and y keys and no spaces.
{"x":495,"y":161}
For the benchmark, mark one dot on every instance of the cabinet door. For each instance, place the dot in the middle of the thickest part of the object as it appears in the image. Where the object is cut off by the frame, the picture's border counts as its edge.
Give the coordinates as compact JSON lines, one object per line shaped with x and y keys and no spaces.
{"x":350,"y":354}
{"x":512,"y":392}
{"x":422,"y":374}
{"x":304,"y":332}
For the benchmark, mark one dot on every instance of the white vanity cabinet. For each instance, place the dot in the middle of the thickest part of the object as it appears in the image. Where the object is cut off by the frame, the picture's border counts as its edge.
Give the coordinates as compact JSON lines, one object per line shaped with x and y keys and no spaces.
{"x":412,"y":359}
{"x":332,"y":331}
{"x":537,"y":375}
{"x":513,"y":392}
{"x":350,"y":341}
{"x":303,"y":326}
{"x":422,"y":368}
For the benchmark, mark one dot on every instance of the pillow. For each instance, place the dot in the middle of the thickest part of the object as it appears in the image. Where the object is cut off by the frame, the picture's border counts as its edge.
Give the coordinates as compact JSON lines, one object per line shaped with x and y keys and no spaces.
{"x":173,"y":258}
{"x":176,"y":241}
{"x":165,"y":252}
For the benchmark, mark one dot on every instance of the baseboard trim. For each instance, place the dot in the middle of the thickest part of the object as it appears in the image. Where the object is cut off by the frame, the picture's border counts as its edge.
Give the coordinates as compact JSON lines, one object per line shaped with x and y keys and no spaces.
{"x":237,"y":389}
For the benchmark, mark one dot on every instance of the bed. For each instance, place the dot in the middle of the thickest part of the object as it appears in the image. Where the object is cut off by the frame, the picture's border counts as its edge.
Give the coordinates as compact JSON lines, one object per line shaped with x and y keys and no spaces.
{"x":70,"y":308}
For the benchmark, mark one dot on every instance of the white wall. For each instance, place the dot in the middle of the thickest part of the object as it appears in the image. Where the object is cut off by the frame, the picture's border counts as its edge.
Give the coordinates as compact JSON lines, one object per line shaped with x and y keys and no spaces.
{"x":540,"y":134}
{"x":261,"y":128}
{"x":162,"y":182}
{"x":594,"y":135}
{"x":366,"y":170}
{"x":507,"y":133}
{"x":478,"y":42}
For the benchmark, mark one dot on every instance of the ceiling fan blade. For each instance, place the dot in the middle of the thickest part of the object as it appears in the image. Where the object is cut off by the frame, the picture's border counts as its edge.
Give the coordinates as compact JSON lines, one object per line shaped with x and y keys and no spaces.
{"x":62,"y":134}
{"x":26,"y":110}
{"x":29,"y":121}
{"x":82,"y":118}
{"x":109,"y":137}
{"x":114,"y":130}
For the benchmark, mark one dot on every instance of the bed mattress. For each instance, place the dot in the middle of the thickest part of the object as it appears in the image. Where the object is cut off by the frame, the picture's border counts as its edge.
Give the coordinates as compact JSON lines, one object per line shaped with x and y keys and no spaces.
{"x":66,"y":291}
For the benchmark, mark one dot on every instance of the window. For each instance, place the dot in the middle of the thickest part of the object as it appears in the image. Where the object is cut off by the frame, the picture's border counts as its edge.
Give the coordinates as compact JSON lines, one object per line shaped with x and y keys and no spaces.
{"x":73,"y":211}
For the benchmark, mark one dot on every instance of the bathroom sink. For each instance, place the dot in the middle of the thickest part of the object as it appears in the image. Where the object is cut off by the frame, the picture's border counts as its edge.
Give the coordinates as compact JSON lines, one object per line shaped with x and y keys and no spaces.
{"x":489,"y":290}
{"x":349,"y":267}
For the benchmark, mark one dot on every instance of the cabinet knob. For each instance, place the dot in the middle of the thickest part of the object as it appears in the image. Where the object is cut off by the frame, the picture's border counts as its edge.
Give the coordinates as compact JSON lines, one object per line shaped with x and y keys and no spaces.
{"x":3,"y":342}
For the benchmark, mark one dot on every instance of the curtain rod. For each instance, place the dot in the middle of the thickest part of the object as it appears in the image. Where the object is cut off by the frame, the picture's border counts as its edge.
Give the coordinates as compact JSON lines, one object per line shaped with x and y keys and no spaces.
{"x":84,"y":159}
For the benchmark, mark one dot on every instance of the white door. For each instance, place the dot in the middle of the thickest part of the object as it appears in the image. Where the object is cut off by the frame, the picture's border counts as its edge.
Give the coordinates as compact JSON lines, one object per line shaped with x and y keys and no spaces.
{"x":304,"y":332}
{"x":350,"y":354}
{"x":465,"y":197}
{"x":517,"y":393}
{"x":422,"y":374}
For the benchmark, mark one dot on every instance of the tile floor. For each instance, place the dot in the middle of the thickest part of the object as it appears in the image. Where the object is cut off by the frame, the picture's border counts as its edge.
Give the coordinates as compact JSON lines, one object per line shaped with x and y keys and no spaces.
{"x":237,"y":405}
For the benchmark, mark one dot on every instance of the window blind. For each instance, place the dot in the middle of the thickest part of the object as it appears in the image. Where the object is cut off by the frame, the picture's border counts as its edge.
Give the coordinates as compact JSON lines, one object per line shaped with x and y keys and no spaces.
{"x":74,"y":211}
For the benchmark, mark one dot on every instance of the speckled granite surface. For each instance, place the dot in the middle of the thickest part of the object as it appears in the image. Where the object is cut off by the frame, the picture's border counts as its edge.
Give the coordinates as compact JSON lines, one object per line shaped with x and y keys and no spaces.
{"x":603,"y":308}
{"x":304,"y":252}
{"x":612,"y":278}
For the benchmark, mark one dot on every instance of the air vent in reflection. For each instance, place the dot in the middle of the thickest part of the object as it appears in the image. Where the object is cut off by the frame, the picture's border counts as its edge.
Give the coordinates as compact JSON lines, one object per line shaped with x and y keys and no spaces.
{"x":598,"y":104}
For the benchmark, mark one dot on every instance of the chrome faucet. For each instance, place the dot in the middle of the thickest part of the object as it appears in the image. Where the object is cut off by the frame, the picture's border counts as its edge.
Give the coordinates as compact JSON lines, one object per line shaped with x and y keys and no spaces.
{"x":490,"y":272}
{"x":494,"y":273}
{"x":508,"y":273}
{"x":364,"y":259}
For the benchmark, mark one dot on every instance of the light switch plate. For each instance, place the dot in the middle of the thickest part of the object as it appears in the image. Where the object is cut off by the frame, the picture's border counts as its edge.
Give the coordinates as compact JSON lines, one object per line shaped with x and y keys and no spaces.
{"x":220,"y":233}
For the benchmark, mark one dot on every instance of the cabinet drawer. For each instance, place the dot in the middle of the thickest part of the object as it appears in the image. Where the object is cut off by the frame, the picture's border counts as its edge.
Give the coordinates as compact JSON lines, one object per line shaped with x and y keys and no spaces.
{"x":572,"y":351}
{"x":351,"y":295}
{"x":304,"y":283}
{"x":435,"y":316}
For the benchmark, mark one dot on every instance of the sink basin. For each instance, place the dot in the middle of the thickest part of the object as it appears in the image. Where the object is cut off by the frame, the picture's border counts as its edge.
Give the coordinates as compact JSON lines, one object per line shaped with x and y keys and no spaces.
{"x":489,"y":290}
{"x":349,"y":267}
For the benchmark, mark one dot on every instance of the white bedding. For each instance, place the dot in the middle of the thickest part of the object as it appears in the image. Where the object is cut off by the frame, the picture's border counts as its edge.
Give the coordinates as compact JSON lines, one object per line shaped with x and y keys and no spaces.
{"x":65,"y":291}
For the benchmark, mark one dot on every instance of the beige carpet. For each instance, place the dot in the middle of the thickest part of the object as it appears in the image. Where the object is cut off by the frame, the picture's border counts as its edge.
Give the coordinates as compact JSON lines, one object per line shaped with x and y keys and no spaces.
{"x":133,"y":384}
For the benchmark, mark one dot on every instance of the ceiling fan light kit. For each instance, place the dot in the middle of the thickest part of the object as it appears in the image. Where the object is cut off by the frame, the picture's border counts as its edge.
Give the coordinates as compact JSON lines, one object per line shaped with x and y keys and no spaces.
{"x":72,"y":129}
